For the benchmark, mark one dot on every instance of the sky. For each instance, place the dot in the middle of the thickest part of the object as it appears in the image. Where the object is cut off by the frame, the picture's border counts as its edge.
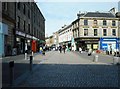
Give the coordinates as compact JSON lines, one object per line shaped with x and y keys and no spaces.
{"x":58,"y":14}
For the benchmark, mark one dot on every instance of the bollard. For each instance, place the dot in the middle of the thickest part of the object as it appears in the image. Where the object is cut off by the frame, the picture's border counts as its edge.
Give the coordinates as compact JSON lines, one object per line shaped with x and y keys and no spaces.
{"x":31,"y":62}
{"x":95,"y":59}
{"x":32,"y":53}
{"x":25,"y":56}
{"x":11,"y":67}
{"x":116,"y":60}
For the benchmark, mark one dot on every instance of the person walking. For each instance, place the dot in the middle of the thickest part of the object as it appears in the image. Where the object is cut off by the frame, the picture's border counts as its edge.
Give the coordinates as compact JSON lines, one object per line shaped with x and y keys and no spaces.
{"x":80,"y":49}
{"x":43,"y":50}
{"x":60,"y":49}
{"x":64,"y":48}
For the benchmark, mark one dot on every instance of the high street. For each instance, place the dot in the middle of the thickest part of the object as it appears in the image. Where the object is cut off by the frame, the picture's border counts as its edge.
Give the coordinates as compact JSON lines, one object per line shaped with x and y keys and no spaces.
{"x":71,"y":69}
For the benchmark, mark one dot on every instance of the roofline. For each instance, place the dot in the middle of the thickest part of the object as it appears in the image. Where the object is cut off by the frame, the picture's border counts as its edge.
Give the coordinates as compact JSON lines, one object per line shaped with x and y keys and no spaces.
{"x":99,"y":18}
{"x":65,"y":28}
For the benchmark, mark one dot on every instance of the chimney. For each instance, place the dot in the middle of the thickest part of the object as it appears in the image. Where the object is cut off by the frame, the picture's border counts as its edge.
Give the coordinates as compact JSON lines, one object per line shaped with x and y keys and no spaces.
{"x":78,"y":15}
{"x":112,"y":11}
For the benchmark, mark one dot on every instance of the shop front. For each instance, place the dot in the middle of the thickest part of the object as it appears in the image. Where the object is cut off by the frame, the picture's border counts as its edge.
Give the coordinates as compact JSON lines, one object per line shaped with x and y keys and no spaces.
{"x":3,"y":33}
{"x":23,"y":42}
{"x":109,"y":44}
{"x":87,"y":43}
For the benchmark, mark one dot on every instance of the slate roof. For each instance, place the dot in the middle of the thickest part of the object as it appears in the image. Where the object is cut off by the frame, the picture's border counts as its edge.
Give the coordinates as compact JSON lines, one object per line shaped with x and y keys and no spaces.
{"x":99,"y":14}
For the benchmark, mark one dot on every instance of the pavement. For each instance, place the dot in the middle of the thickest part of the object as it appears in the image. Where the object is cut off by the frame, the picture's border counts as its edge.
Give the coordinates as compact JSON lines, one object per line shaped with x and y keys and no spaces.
{"x":21,"y":66}
{"x":71,"y":69}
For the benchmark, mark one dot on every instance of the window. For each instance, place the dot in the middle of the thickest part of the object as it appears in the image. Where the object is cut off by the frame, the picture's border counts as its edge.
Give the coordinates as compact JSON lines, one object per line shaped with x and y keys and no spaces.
{"x":113,"y":23}
{"x":18,"y":23}
{"x":95,"y":22}
{"x":85,"y":32}
{"x":24,"y":25}
{"x":29,"y":14}
{"x":104,"y":32}
{"x":5,"y":6}
{"x":95,"y":32}
{"x":18,"y":5}
{"x":78,"y":32}
{"x":104,"y":22}
{"x":114,"y":32}
{"x":28,"y":28}
{"x":85,"y":22}
{"x":24,"y":9}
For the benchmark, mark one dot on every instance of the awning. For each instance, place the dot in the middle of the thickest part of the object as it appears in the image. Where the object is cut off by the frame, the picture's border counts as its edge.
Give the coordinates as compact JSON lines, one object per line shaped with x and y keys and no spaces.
{"x":41,"y":41}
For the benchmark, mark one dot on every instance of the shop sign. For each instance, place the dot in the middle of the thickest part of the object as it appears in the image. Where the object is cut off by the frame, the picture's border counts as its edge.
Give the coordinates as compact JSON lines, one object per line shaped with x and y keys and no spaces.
{"x":89,"y":39}
{"x":3,"y":28}
{"x":28,"y":36}
{"x":20,"y":33}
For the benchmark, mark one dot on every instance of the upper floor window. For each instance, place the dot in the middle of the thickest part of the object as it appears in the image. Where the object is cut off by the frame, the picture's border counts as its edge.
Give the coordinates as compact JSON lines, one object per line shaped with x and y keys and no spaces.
{"x":5,"y":5}
{"x":114,"y":32}
{"x":104,"y":22}
{"x":95,"y":22}
{"x":113,"y":23}
{"x":24,"y":8}
{"x":24,"y":25}
{"x":18,"y":5}
{"x":85,"y":32}
{"x":28,"y":28}
{"x":104,"y":32}
{"x":95,"y":32}
{"x":85,"y":22}
{"x":18,"y":21}
{"x":29,"y":14}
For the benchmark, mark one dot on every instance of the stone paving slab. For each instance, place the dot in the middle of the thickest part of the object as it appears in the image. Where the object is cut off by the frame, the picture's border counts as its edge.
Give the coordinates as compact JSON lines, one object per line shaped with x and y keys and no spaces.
{"x":71,"y":70}
{"x":67,"y":75}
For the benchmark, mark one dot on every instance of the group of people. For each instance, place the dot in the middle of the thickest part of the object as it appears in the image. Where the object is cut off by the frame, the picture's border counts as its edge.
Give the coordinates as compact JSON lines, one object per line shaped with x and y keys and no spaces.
{"x":62,"y":48}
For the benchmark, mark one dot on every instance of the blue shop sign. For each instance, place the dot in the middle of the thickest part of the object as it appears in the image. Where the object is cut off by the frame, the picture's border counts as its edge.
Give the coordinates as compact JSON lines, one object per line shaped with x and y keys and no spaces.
{"x":3,"y":28}
{"x":105,"y":43}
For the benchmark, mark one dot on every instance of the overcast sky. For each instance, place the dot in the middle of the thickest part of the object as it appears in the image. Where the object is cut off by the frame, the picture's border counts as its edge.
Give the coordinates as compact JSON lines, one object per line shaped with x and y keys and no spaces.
{"x":59,"y":13}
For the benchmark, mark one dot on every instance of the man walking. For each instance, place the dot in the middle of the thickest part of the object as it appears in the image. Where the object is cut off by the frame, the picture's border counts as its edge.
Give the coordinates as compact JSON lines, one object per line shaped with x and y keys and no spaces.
{"x":64,"y":47}
{"x":60,"y":49}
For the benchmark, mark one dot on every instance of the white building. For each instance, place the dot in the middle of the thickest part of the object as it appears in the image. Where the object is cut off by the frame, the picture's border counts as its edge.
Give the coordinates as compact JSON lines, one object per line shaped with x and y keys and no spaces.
{"x":65,"y":35}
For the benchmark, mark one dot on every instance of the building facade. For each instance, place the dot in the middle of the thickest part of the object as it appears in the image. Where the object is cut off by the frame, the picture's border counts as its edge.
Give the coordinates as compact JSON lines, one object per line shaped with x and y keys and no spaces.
{"x":96,"y":30}
{"x":56,"y":40}
{"x":65,"y":35}
{"x":49,"y":41}
{"x":26,"y":26}
{"x":7,"y":28}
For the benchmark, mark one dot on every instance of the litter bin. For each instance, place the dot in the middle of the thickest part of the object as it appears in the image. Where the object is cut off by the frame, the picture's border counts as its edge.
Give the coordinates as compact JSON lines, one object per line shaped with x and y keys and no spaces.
{"x":116,"y":60}
{"x":95,"y":59}
{"x":14,"y":51}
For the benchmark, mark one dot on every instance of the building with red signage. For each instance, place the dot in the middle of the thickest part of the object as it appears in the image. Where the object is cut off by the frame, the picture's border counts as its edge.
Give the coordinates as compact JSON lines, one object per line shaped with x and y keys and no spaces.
{"x":28,"y":26}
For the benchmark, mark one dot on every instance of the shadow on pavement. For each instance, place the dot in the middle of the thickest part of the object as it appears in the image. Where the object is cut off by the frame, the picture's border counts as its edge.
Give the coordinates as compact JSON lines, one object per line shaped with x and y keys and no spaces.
{"x":19,"y":69}
{"x":66,"y":75}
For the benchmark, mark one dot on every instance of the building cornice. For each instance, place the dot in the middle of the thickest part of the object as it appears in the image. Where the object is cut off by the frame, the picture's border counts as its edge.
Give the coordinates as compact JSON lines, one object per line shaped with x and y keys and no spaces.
{"x":99,"y":18}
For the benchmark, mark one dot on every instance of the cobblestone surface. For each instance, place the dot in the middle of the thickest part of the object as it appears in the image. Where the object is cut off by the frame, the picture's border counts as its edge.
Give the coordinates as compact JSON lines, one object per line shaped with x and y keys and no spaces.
{"x":71,"y":70}
{"x":62,"y":75}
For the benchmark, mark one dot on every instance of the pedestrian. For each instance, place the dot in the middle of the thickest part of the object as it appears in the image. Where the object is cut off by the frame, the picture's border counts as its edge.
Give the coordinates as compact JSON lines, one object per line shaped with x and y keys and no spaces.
{"x":80,"y":49}
{"x":43,"y":50}
{"x":90,"y":52}
{"x":64,"y":48}
{"x":60,"y":49}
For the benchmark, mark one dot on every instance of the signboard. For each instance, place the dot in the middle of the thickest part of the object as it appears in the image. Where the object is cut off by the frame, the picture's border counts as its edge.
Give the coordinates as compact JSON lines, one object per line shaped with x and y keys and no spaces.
{"x":20,"y":33}
{"x":3,"y":28}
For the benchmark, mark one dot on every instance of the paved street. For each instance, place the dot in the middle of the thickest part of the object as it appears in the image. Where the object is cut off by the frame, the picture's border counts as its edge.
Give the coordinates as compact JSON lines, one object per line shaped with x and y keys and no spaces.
{"x":71,"y":69}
